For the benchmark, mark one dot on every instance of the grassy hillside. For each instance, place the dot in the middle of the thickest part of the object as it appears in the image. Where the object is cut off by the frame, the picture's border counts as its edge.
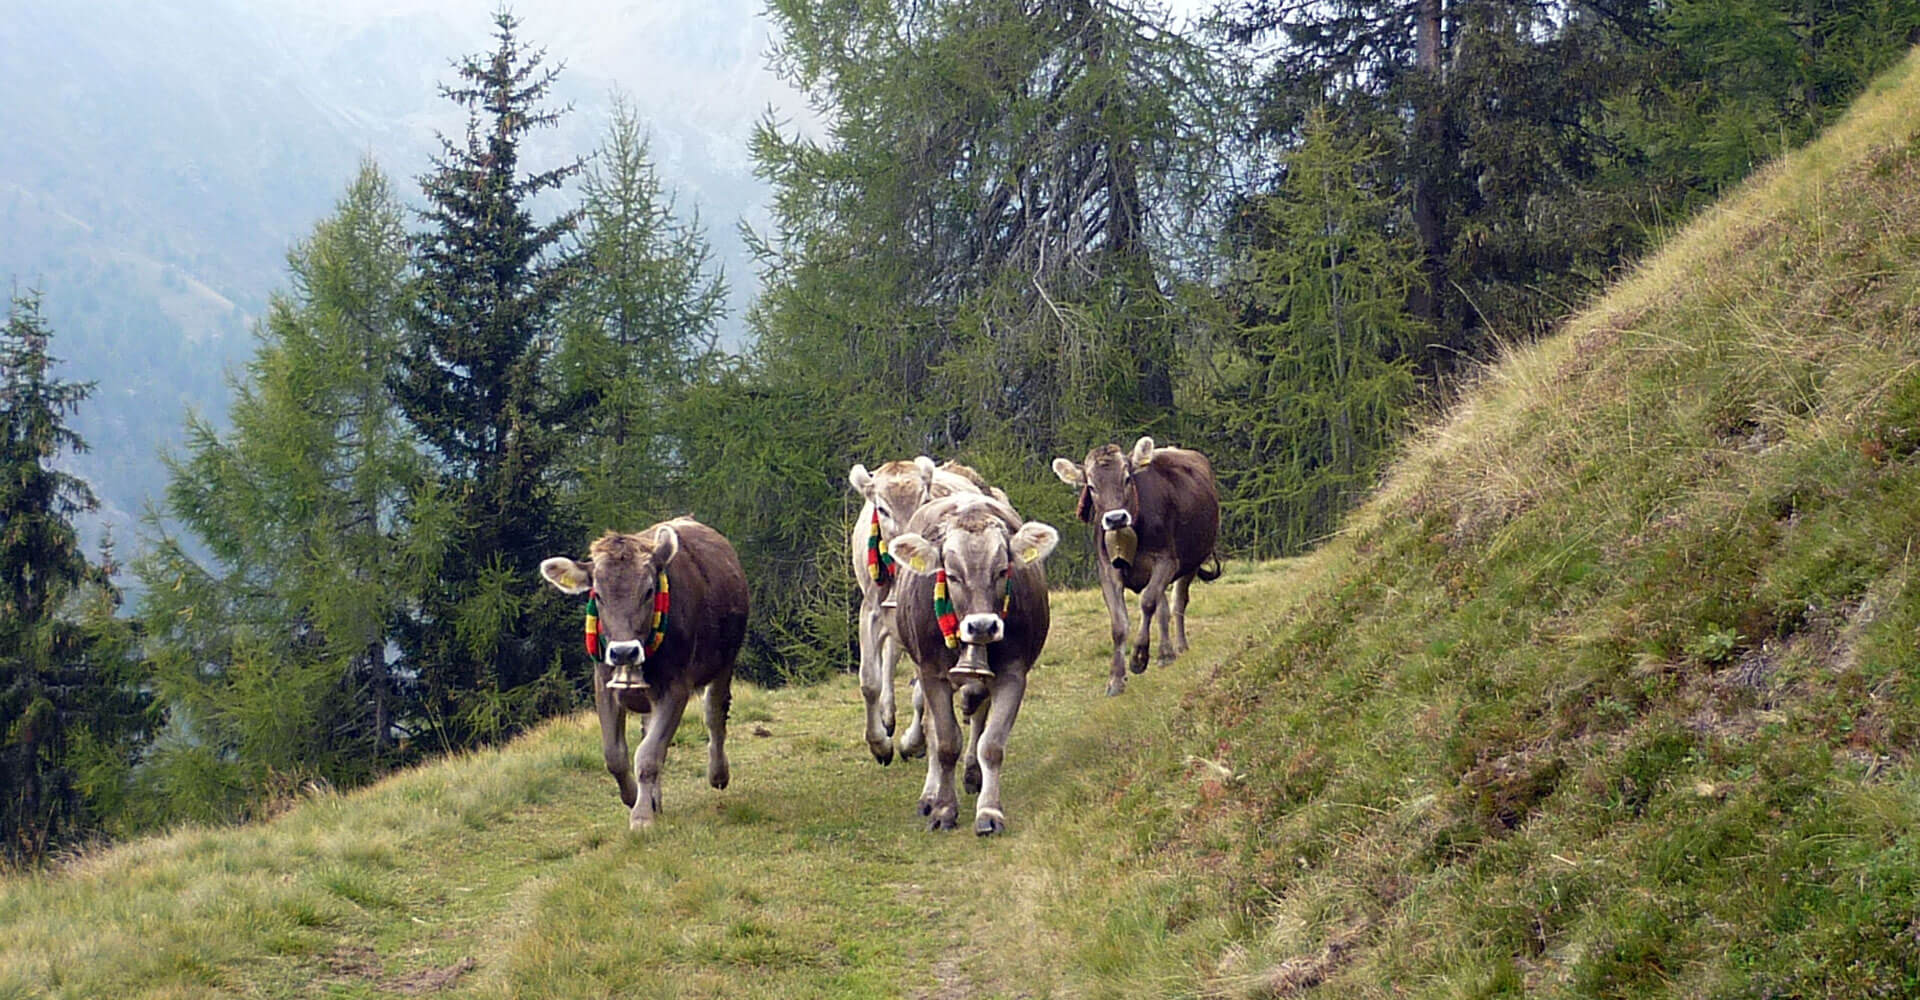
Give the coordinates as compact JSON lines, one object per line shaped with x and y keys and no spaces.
{"x":1612,"y":691}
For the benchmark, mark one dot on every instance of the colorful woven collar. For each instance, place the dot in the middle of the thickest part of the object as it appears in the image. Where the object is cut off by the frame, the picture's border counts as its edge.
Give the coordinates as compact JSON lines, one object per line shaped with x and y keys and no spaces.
{"x":943,"y":605}
{"x":661,"y":602}
{"x":879,"y":560}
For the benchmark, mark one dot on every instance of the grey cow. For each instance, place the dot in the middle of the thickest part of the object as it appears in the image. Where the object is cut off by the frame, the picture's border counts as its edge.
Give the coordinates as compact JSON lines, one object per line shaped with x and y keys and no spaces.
{"x":973,"y":615}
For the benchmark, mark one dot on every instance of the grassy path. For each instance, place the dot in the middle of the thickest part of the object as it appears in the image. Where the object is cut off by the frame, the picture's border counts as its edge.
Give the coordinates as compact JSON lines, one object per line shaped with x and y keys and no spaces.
{"x":511,"y":873}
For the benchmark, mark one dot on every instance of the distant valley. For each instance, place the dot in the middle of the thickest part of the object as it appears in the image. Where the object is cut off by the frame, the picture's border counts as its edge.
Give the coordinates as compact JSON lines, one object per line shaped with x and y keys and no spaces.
{"x":163,"y":156}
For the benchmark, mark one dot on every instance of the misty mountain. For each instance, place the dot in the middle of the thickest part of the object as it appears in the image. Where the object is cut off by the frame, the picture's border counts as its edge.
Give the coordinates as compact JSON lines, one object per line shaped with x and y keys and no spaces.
{"x":161,"y":158}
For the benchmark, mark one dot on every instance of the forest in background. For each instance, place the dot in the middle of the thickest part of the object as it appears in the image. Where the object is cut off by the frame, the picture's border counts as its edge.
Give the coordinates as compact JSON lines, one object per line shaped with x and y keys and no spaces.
{"x":1034,"y":227}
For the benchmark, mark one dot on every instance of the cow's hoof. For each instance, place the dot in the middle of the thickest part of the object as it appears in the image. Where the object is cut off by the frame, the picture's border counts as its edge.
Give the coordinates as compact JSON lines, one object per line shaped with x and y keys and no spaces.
{"x":1138,"y":661}
{"x":945,"y":819}
{"x":720,"y":778}
{"x":972,"y":778}
{"x":990,"y":822}
{"x":882,"y":752}
{"x":925,"y":807}
{"x":1116,"y":686}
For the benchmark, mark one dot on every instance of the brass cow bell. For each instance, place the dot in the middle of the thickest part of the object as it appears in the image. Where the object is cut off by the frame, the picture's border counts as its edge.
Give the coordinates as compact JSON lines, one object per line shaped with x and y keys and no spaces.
{"x":972,"y":666}
{"x":626,"y":678}
{"x":1121,"y":545}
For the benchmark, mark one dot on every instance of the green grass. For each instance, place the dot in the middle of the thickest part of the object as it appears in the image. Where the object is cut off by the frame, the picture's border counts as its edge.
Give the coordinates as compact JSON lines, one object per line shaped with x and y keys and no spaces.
{"x":1613,"y":690}
{"x":512,"y":874}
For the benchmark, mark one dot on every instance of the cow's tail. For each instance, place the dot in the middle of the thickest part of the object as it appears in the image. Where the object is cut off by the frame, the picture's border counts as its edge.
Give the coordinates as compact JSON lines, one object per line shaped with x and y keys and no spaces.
{"x":1206,"y":575}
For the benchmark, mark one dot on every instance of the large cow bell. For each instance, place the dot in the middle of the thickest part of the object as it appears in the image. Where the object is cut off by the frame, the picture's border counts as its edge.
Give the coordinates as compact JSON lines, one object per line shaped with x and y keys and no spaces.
{"x":1121,"y":544}
{"x":972,"y":666}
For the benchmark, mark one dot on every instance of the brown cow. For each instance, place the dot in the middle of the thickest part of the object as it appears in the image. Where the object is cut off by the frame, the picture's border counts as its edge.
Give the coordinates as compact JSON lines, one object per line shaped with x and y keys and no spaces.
{"x":1162,"y":502}
{"x":658,"y":652}
{"x":982,"y":639}
{"x":892,"y":493}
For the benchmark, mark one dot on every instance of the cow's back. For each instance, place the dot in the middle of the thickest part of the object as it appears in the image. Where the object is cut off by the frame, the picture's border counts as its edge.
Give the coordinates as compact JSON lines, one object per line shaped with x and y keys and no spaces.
{"x":707,"y":606}
{"x":1179,"y":511}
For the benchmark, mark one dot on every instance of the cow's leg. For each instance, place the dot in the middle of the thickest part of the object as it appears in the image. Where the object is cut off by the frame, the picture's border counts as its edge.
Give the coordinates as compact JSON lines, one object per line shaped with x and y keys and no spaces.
{"x":974,"y":700}
{"x":668,"y":705}
{"x":938,"y":800}
{"x":876,"y":680}
{"x":1009,"y":687}
{"x":1151,"y":598}
{"x":913,"y":742}
{"x":1180,"y":589}
{"x":613,"y":734}
{"x":1116,"y":598}
{"x":719,"y":700}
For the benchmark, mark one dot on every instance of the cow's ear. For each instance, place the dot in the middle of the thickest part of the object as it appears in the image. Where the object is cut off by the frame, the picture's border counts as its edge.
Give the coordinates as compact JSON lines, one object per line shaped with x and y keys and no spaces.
{"x":861,"y":480}
{"x":568,"y":576}
{"x":926,"y":468}
{"x":1033,"y":542}
{"x":666,"y":545}
{"x":914,"y":551}
{"x":1069,"y":472}
{"x":1142,"y":452}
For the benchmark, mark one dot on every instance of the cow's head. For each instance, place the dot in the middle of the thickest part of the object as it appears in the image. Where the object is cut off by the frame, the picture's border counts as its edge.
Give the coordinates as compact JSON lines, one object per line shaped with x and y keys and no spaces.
{"x":623,"y":572}
{"x":895,"y":489}
{"x":1105,"y":482}
{"x":976,"y":552}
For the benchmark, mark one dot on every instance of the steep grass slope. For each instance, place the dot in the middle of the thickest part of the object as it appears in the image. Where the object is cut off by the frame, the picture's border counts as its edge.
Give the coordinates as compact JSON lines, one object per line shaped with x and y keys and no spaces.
{"x":1613,"y":690}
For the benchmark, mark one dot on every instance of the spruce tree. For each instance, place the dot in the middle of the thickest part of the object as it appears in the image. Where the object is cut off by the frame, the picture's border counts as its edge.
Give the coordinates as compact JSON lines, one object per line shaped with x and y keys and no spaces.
{"x":473,"y":383}
{"x":319,"y":514}
{"x":71,"y":712}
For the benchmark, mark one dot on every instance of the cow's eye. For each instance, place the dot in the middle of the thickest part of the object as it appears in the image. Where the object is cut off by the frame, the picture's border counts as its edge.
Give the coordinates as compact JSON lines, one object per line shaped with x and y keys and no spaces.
{"x":883,"y":512}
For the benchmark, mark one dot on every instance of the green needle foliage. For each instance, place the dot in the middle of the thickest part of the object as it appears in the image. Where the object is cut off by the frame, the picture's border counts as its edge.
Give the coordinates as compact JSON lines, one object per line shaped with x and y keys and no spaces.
{"x":1318,"y":385}
{"x":72,"y":714}
{"x":637,"y":330}
{"x":318,"y":515}
{"x":472,"y":383}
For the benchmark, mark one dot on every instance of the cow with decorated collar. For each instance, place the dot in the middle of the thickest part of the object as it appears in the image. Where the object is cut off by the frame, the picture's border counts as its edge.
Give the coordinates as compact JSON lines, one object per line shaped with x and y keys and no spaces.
{"x":665,"y":615}
{"x":972,"y":614}
{"x":892,"y":493}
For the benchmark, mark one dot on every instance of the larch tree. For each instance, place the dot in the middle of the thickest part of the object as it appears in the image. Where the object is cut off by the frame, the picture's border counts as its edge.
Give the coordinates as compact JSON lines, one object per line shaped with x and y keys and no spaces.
{"x":638,"y":328}
{"x":1318,"y":387}
{"x":287,"y":545}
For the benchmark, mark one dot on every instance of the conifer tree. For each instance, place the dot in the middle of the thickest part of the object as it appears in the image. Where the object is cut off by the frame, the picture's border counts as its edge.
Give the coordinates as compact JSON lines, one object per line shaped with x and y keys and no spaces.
{"x":638,"y":328}
{"x":318,"y":511}
{"x":473,"y":381}
{"x":71,"y":712}
{"x":1305,"y":415}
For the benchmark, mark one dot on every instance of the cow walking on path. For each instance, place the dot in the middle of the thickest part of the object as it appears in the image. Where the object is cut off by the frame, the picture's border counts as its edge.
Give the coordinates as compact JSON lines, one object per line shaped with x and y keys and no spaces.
{"x":973,"y":615}
{"x":1156,"y":514}
{"x":666,"y":613}
{"x":893,"y":492}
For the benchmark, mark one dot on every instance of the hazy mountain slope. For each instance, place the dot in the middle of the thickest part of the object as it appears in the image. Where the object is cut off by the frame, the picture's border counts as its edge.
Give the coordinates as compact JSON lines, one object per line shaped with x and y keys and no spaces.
{"x":161,"y":158}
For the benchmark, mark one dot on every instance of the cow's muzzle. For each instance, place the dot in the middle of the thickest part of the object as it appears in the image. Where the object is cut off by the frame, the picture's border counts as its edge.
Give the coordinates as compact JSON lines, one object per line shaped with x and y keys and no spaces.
{"x":979,"y":629}
{"x":1114,"y":520}
{"x":625,"y":658}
